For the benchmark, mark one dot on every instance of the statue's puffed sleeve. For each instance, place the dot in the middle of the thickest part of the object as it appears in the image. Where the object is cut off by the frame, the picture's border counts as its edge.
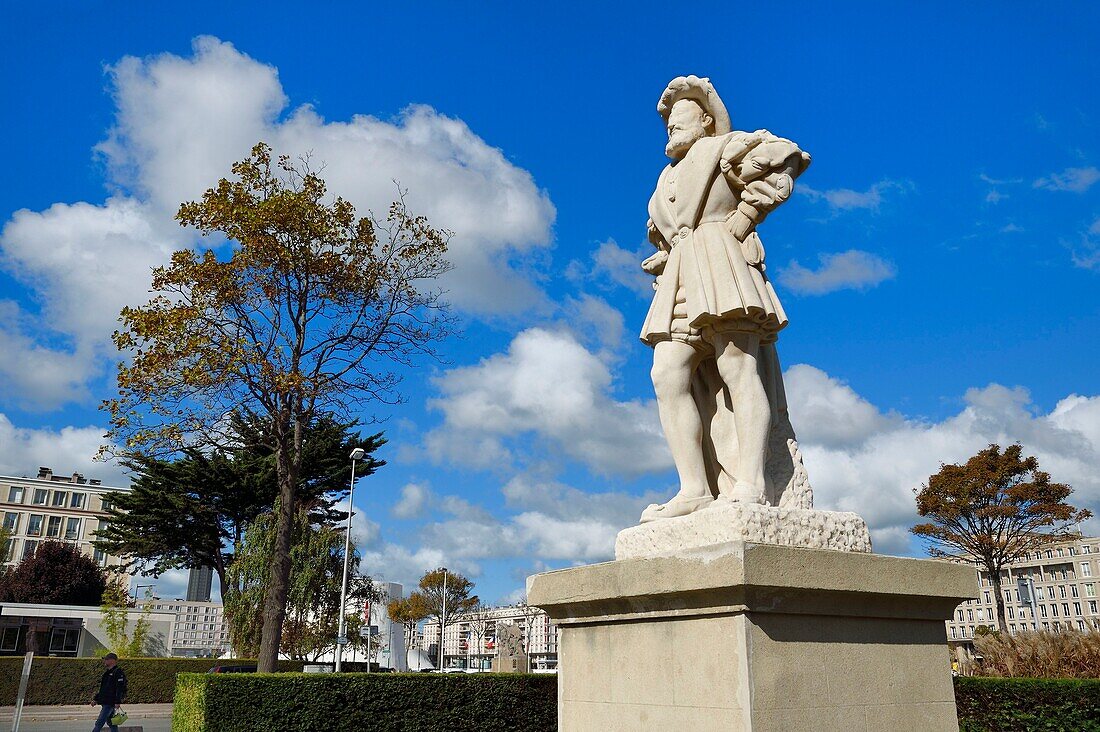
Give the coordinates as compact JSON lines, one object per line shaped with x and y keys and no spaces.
{"x":763,"y":167}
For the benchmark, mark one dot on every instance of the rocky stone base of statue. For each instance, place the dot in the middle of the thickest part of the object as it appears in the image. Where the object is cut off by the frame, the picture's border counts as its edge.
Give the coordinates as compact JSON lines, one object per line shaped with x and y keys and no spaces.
{"x":726,"y":521}
{"x":754,"y":638}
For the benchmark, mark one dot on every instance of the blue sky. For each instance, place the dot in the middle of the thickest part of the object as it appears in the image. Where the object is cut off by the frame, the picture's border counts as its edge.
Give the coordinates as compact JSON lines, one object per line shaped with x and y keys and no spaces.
{"x":940,"y":260}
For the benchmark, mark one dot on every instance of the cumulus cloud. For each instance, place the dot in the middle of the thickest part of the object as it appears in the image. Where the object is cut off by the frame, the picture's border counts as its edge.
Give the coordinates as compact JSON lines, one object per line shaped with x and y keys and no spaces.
{"x":850,"y":270}
{"x":873,"y":466}
{"x":547,"y":386}
{"x":23,"y":450}
{"x":610,"y":264}
{"x":847,"y":199}
{"x":1073,"y":180}
{"x":413,"y":501}
{"x":860,"y":458}
{"x":180,"y":123}
{"x":546,"y":521}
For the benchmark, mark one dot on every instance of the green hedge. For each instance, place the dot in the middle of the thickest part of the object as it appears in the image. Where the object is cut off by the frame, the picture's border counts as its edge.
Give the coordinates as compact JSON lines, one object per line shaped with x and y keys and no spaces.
{"x":1012,"y":705}
{"x":76,"y":680}
{"x":378,"y":702}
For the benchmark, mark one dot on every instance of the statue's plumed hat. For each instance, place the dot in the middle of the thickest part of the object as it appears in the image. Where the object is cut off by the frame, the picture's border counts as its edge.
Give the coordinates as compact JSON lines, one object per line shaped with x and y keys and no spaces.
{"x":699,"y":90}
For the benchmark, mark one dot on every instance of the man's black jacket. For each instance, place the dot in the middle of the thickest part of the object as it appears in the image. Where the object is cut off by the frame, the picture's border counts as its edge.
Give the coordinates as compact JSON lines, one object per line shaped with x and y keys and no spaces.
{"x":112,"y":687}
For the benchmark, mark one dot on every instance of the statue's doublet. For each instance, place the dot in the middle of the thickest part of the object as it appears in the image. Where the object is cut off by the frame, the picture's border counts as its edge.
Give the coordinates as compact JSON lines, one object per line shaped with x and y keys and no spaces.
{"x":707,"y":282}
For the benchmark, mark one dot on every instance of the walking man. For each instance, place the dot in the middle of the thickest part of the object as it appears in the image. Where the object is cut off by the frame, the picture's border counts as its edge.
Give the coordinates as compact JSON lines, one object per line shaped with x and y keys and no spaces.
{"x":112,"y":690}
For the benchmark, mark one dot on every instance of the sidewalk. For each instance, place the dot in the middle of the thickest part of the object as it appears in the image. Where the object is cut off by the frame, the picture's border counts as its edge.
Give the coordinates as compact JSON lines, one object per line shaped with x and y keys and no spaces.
{"x":44,"y":713}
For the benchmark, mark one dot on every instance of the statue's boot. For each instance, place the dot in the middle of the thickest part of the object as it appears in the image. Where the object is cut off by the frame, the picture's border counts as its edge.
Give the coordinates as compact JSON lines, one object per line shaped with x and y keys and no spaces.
{"x":676,"y":507}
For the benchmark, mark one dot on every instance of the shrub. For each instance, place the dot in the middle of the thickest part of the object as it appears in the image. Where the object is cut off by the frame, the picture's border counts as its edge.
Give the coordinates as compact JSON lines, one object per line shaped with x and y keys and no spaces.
{"x":1066,"y":653}
{"x":76,"y":680}
{"x":378,"y":702}
{"x":1011,"y":705}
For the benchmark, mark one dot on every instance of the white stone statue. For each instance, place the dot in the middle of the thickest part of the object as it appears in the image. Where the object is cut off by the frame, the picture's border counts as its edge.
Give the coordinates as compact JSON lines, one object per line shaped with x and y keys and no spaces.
{"x":715,"y":317}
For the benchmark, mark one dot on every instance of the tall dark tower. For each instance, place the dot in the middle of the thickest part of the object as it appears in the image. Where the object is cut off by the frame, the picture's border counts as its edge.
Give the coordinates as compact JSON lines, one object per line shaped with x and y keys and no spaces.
{"x":198,"y":584}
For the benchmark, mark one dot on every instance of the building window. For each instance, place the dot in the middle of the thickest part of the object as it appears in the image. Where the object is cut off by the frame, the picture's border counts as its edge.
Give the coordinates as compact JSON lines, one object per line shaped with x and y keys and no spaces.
{"x":53,"y":526}
{"x":100,"y":557}
{"x":1039,"y":593}
{"x":1076,"y":608}
{"x":28,"y":548}
{"x":1062,"y":591}
{"x":1011,"y":614}
{"x":9,"y":550}
{"x":72,"y":528}
{"x":1090,"y":590}
{"x":1086,"y":569}
{"x":1073,"y":591}
{"x":9,"y":638}
{"x":1061,"y":553}
{"x":986,"y":594}
{"x":954,"y":633}
{"x":60,"y":498}
{"x":970,"y":615}
{"x":15,"y":494}
{"x":34,"y":525}
{"x":78,"y":500}
{"x":11,"y":522}
{"x":1092,"y":606}
{"x":1065,"y":609}
{"x":1043,"y":612}
{"x":64,"y":640}
{"x":106,"y":505}
{"x":40,"y":496}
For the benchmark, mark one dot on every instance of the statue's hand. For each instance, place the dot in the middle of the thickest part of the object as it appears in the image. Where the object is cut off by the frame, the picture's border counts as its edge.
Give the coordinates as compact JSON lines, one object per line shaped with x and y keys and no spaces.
{"x":655,"y":264}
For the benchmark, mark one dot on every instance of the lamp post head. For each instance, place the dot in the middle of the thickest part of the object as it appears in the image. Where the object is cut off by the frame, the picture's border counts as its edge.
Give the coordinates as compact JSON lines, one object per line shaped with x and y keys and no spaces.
{"x":357,"y":453}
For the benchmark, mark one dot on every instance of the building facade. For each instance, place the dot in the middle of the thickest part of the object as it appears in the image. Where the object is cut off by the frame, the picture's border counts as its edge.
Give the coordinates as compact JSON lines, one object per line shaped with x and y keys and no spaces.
{"x":1065,"y":576}
{"x":199,"y":630}
{"x":55,"y":507}
{"x":469,"y":641}
{"x":73,"y":631}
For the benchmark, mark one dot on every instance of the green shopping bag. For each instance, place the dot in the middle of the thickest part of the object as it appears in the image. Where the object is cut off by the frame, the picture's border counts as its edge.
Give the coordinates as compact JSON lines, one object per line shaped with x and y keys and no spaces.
{"x":119,"y":717}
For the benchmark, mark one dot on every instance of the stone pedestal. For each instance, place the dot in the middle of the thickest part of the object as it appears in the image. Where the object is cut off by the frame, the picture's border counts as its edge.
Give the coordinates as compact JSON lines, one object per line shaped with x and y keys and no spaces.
{"x":742,"y":636}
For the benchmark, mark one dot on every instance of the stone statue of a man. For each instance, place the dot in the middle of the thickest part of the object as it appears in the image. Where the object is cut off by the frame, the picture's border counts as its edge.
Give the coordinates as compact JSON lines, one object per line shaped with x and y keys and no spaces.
{"x":715,"y":317}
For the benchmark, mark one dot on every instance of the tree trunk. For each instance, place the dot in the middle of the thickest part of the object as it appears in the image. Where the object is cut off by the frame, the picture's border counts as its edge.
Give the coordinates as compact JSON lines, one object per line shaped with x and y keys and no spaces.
{"x":995,"y":578}
{"x":279,"y":586}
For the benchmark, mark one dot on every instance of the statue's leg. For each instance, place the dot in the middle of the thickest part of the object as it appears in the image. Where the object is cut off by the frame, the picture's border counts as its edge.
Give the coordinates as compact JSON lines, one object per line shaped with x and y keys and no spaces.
{"x":673,"y":365}
{"x":737,"y":355}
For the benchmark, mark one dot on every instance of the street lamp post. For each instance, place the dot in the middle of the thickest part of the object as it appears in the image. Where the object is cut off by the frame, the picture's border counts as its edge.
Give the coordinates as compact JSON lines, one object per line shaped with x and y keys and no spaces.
{"x":342,"y":639}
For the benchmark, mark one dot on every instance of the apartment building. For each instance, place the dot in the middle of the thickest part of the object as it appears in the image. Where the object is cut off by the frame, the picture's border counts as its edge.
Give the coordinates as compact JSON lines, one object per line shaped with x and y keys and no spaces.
{"x":67,"y":508}
{"x":469,"y":641}
{"x":199,"y":630}
{"x":1060,"y":583}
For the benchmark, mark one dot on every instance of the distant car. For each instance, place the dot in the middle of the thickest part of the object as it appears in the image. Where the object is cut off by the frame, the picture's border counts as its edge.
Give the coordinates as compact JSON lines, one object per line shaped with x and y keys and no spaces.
{"x":232,"y":670}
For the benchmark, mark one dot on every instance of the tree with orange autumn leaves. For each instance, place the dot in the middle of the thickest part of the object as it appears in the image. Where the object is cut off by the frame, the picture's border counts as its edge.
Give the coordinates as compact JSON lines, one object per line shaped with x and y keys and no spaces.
{"x":313,"y":312}
{"x":994,"y":509}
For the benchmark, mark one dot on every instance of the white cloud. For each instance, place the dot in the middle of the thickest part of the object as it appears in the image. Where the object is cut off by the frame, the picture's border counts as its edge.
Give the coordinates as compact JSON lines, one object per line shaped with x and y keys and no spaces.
{"x":83,"y":262}
{"x":859,"y":457}
{"x":611,"y":264}
{"x":547,"y":386}
{"x":850,"y":270}
{"x":1074,"y":180}
{"x":23,"y":450}
{"x":874,"y":470}
{"x":847,"y":199}
{"x":179,"y":125}
{"x":413,"y":501}
{"x":1087,"y":254}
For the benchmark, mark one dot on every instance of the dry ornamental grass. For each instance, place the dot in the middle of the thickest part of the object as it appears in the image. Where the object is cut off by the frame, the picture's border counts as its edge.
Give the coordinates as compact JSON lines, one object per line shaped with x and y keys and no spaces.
{"x":1070,"y":654}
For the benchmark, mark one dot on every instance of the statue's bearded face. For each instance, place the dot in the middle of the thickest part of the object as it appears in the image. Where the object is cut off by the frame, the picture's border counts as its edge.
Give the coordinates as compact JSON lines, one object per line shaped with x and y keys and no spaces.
{"x":687,"y":123}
